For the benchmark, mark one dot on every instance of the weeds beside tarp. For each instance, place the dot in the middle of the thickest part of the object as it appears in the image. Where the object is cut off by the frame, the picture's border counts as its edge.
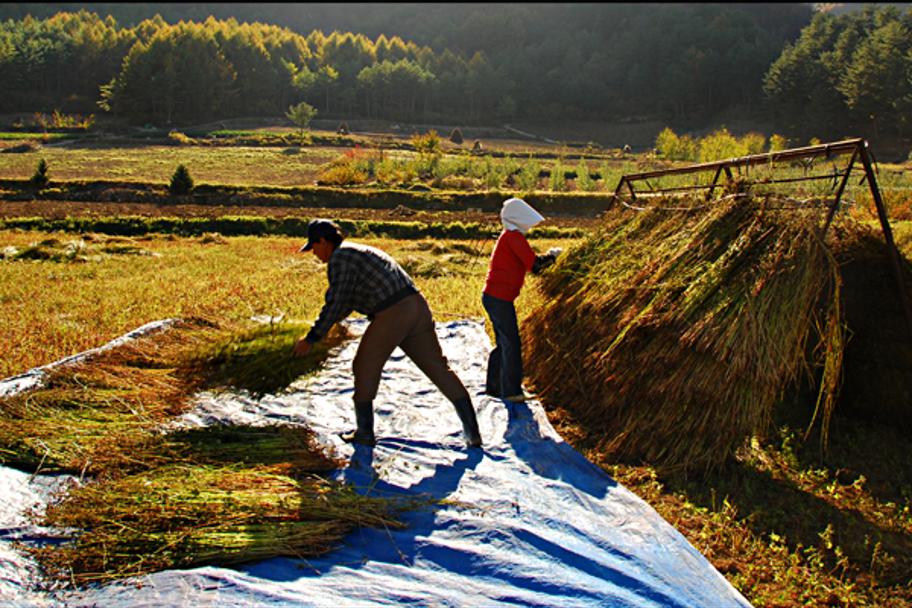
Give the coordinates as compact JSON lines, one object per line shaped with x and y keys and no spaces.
{"x":190,"y":496}
{"x":671,"y":335}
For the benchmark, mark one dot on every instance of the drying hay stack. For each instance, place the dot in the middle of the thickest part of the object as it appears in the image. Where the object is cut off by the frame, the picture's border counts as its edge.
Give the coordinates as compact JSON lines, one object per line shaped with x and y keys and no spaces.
{"x":671,"y":335}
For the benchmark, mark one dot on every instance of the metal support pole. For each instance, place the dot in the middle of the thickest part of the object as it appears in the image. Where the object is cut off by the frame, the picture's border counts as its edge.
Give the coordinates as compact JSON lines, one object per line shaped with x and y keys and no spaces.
{"x":888,"y":233}
{"x":712,"y":186}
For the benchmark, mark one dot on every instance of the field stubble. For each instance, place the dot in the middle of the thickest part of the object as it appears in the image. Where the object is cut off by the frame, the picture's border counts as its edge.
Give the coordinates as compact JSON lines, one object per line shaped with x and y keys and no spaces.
{"x":53,"y":309}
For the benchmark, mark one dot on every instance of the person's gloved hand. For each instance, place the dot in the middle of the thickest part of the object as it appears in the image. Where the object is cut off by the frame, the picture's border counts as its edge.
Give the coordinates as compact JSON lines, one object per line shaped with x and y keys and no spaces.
{"x":543,"y":261}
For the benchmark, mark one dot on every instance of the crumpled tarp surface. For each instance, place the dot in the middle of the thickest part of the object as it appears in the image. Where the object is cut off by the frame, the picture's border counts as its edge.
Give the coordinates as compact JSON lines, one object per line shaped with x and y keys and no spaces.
{"x":528,"y":520}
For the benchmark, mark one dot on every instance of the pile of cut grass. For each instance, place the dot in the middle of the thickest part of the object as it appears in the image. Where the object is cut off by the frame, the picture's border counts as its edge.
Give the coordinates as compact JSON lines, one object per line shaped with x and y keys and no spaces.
{"x":99,"y":415}
{"x":181,"y":516}
{"x":258,"y":359}
{"x":159,"y":499}
{"x":671,"y":335}
{"x":73,"y":250}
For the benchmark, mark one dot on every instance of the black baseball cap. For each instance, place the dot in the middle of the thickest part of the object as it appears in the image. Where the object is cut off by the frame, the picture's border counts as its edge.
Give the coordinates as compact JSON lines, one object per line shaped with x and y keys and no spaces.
{"x":321,"y":229}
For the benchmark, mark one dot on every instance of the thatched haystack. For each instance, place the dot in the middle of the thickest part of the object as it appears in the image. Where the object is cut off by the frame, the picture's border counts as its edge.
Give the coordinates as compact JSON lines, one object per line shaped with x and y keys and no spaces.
{"x":671,"y":335}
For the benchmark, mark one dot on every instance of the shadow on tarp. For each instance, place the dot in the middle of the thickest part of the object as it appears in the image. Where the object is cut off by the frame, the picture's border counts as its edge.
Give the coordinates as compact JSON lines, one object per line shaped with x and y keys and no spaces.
{"x":420,"y":522}
{"x":544,"y":456}
{"x":404,"y":547}
{"x":552,"y":459}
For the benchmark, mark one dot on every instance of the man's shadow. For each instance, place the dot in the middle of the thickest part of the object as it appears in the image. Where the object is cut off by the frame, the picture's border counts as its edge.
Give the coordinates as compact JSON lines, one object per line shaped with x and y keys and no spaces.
{"x":421,"y":501}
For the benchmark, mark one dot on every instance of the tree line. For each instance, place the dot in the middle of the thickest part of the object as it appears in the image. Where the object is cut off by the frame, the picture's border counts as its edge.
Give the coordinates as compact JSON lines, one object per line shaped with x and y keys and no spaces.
{"x":171,"y":74}
{"x":681,"y":63}
{"x":846,"y":73}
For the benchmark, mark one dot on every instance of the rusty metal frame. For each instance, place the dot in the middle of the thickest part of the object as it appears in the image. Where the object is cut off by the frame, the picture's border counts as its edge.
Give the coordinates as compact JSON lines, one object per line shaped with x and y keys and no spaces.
{"x":859,"y":150}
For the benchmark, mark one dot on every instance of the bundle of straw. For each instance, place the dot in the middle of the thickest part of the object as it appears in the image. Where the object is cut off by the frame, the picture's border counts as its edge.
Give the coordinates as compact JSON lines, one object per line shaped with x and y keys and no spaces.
{"x":181,"y":516}
{"x":672,"y":334}
{"x":294,"y":447}
{"x":259,"y":359}
{"x":97,"y":414}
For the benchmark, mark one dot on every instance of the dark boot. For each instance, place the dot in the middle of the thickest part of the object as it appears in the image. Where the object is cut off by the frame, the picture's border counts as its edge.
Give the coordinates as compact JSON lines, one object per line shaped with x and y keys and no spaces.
{"x":469,"y":423}
{"x":364,"y":416}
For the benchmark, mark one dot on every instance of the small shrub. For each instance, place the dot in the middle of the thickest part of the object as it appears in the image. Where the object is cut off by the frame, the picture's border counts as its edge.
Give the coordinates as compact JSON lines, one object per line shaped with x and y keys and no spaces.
{"x":494,"y":175}
{"x":557,"y":181}
{"x":672,"y":147}
{"x":181,"y":182}
{"x":429,"y":143}
{"x":441,"y":170}
{"x":584,"y":181}
{"x":40,"y":178}
{"x":604,"y":172}
{"x":343,"y":129}
{"x":718,"y":145}
{"x":527,"y":179}
{"x":426,"y":165}
{"x":456,"y":136}
{"x":59,"y":120}
{"x":479,"y":167}
{"x":341,"y":175}
{"x":353,"y":166}
{"x":301,"y":115}
{"x":753,"y":143}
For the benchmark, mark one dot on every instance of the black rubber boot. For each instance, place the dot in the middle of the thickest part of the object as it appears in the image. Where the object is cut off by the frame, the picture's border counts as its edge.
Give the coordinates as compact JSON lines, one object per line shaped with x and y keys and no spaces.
{"x":469,"y":422}
{"x":364,"y":416}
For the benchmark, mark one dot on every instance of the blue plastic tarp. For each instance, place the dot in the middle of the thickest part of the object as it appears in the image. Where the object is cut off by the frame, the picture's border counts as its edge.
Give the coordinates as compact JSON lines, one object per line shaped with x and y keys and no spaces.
{"x":526,"y":521}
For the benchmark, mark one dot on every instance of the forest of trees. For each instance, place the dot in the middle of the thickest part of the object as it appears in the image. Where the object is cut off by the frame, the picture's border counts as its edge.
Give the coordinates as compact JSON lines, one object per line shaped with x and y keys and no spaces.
{"x":681,"y":63}
{"x":846,"y":73}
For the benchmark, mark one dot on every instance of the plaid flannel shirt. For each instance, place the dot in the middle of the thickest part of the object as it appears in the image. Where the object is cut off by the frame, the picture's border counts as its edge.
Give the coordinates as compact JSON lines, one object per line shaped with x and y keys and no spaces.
{"x":362,"y":279}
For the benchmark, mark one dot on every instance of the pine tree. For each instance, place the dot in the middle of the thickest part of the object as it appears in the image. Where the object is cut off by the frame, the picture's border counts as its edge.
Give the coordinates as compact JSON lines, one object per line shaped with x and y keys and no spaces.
{"x":181,"y":182}
{"x":40,"y":179}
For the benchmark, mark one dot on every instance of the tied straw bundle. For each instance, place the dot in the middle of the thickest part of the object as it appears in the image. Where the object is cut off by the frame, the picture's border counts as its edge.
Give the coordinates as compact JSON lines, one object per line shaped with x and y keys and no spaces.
{"x":671,"y":335}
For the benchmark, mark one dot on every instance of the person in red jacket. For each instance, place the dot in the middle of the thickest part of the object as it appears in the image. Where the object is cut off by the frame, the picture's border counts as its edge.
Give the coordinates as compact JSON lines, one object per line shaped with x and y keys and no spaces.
{"x":511,"y":259}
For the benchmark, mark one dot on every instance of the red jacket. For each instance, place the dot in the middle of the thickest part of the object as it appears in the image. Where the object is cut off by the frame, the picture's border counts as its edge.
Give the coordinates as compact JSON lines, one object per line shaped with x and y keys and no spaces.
{"x":511,"y":259}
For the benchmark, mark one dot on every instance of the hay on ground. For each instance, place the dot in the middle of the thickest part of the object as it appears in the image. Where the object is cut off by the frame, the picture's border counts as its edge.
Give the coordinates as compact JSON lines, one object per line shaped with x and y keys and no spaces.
{"x":181,"y":516}
{"x":161,"y":499}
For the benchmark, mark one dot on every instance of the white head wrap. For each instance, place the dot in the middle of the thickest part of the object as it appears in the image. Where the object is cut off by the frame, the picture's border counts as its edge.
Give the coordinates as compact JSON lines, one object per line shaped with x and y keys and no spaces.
{"x":518,"y":215}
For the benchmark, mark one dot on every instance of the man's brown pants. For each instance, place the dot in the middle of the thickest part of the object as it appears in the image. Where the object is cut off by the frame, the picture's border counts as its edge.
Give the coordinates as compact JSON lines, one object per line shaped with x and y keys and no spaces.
{"x":409,"y":325}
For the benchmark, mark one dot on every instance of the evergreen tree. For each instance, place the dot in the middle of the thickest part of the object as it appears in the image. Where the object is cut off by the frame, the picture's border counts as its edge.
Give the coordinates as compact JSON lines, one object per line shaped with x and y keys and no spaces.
{"x":181,"y":182}
{"x":40,"y":178}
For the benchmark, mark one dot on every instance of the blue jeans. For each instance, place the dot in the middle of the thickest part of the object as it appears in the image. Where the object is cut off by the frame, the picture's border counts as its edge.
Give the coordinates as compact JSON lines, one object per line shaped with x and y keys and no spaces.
{"x":505,"y":372}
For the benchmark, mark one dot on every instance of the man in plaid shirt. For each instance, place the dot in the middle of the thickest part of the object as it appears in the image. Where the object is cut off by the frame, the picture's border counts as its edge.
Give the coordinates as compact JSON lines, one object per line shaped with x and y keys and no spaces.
{"x":367,"y":280}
